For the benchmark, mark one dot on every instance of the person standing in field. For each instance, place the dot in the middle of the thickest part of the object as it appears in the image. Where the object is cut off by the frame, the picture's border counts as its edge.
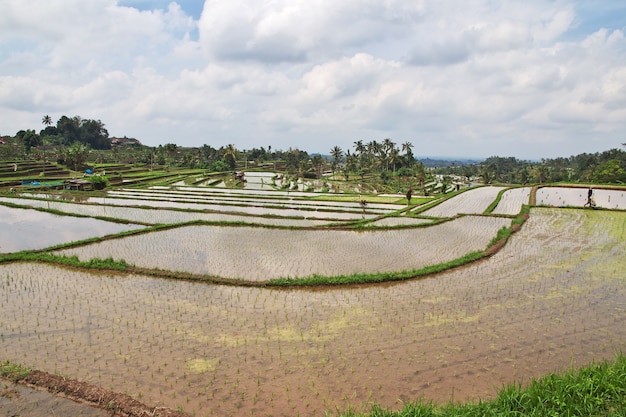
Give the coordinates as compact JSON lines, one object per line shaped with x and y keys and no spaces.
{"x":590,"y":200}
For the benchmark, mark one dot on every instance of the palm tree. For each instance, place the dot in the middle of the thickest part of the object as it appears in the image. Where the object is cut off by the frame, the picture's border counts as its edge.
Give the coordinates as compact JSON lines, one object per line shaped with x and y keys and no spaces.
{"x":230,"y":156}
{"x":374,"y":150}
{"x":407,"y":148}
{"x":394,"y":158}
{"x":337,"y":155}
{"x":359,"y":148}
{"x":46,"y":120}
{"x":387,"y":147}
{"x":351,"y":164}
{"x":420,"y":174}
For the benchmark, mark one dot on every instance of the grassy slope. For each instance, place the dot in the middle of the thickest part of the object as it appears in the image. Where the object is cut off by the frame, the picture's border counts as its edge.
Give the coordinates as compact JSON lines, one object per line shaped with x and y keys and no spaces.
{"x":596,"y":390}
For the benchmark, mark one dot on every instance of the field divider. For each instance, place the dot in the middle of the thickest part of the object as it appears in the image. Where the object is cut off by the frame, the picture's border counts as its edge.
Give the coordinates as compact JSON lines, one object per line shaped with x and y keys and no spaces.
{"x":315,"y":280}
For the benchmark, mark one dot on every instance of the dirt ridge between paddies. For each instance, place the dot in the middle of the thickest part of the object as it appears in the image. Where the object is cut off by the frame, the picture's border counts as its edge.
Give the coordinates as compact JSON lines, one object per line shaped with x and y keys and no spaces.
{"x":118,"y":404}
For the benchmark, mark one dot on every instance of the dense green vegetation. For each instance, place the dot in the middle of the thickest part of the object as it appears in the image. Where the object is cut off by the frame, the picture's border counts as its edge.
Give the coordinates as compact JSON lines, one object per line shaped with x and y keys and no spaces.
{"x":376,"y":166}
{"x":608,"y":167}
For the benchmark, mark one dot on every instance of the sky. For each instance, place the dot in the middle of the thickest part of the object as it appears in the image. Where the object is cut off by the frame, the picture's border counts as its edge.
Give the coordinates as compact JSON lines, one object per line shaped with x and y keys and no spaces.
{"x":456,"y":78}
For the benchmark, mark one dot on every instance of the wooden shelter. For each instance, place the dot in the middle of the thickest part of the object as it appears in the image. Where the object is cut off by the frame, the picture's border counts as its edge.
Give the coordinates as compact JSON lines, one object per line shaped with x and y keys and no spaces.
{"x":78,"y":184}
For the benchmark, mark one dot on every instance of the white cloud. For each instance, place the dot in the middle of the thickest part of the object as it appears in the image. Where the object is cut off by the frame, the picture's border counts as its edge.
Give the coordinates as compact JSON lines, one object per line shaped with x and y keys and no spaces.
{"x":297,"y":30}
{"x":472,"y":77}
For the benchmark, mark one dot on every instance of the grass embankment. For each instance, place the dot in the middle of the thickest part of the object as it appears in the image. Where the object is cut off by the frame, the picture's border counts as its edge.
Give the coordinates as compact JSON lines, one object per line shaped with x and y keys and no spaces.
{"x":496,"y":244}
{"x":595,"y":390}
{"x":315,"y":280}
{"x":318,"y":280}
{"x":107,"y":264}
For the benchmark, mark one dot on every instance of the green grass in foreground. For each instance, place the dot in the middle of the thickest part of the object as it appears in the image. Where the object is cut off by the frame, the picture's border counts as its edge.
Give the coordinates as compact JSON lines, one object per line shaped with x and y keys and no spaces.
{"x":596,"y":390}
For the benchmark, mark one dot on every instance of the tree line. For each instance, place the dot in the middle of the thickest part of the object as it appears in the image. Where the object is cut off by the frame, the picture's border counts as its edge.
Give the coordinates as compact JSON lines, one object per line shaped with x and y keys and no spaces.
{"x":74,"y":140}
{"x":607,"y":167}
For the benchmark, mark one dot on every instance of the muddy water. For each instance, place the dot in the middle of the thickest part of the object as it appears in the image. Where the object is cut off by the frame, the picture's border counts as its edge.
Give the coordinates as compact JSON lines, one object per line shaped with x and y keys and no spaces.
{"x":553,"y":298}
{"x":17,"y":400}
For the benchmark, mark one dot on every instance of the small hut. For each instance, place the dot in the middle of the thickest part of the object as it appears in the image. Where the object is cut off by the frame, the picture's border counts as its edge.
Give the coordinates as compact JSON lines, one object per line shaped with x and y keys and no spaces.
{"x":78,"y":184}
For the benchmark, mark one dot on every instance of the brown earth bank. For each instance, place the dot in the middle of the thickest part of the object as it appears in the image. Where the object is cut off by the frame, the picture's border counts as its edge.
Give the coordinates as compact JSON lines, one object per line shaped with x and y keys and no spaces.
{"x":42,"y":393}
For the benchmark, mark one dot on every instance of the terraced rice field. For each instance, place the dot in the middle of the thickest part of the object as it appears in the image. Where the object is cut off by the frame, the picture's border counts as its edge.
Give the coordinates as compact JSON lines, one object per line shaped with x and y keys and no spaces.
{"x":261,"y":254}
{"x":157,"y":215}
{"x":253,"y":198}
{"x":26,"y":229}
{"x":552,"y":298}
{"x":549,"y":300}
{"x":512,"y":201}
{"x":474,"y":201}
{"x":398,"y":221}
{"x":577,"y":197}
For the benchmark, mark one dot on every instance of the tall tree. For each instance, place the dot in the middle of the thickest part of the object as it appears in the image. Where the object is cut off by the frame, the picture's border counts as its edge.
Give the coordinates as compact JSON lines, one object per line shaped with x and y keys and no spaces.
{"x":318,"y":164}
{"x":420,"y":174}
{"x":46,"y":120}
{"x":351,"y":165}
{"x":359,"y":148}
{"x":171,"y":149}
{"x":394,"y":158}
{"x":374,"y":154}
{"x":230,"y":156}
{"x":337,"y":155}
{"x":29,"y":138}
{"x":387,"y":148}
{"x":69,"y":129}
{"x":94,"y":134}
{"x":407,"y":148}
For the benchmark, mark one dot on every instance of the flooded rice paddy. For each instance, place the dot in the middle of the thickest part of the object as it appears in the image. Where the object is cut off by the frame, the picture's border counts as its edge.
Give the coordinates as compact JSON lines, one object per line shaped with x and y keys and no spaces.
{"x":577,"y":197}
{"x":27,"y":229}
{"x":254,"y":210}
{"x":473,"y":201}
{"x":512,"y":200}
{"x":259,"y":253}
{"x":154,"y":215}
{"x":551,"y":299}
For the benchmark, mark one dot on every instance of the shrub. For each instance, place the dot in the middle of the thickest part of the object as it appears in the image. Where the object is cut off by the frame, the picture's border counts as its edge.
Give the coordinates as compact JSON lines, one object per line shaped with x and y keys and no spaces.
{"x":99,"y":182}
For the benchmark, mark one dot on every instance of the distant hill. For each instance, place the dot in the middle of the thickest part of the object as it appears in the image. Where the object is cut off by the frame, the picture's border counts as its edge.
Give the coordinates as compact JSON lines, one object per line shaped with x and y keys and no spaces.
{"x":436,"y":163}
{"x":428,"y":162}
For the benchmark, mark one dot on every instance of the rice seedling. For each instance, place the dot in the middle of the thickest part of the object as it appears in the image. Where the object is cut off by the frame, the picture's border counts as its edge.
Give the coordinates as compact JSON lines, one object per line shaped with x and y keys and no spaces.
{"x":539,"y":304}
